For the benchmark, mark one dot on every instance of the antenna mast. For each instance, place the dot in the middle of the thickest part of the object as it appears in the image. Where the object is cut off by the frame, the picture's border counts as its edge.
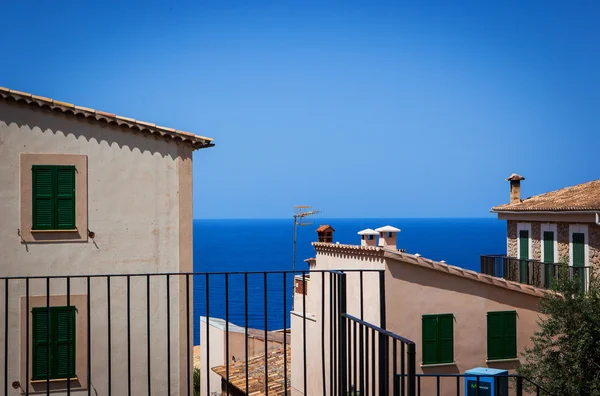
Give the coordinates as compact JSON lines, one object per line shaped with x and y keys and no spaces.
{"x":302,"y":217}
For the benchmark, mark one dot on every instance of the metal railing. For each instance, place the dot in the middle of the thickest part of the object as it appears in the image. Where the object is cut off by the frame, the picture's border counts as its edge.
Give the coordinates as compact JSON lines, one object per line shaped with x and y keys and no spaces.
{"x":134,"y":334}
{"x":531,"y":272}
{"x":477,"y":385}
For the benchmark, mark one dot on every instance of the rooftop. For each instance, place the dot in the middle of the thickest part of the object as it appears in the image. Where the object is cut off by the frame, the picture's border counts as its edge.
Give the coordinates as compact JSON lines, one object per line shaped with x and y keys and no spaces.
{"x":387,"y":228}
{"x":325,"y":227}
{"x":256,"y":373}
{"x":131,"y":124}
{"x":581,"y":197}
{"x":368,"y":231}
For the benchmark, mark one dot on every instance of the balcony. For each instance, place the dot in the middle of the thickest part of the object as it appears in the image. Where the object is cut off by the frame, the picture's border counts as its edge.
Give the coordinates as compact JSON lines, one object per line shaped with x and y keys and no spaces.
{"x":530,"y":272}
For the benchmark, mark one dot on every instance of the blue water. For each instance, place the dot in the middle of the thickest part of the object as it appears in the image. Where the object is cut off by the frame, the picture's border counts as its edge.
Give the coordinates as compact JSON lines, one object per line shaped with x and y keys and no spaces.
{"x":267,"y":245}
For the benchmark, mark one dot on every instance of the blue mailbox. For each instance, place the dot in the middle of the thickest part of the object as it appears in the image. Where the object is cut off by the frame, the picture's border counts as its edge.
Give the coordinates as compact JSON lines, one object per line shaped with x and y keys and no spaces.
{"x":492,"y":382}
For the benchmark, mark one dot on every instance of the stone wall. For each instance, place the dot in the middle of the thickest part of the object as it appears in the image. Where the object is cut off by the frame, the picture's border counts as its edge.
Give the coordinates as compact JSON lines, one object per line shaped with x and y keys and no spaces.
{"x":536,"y":244}
{"x":563,"y":242}
{"x":511,"y":238}
{"x":594,"y":244}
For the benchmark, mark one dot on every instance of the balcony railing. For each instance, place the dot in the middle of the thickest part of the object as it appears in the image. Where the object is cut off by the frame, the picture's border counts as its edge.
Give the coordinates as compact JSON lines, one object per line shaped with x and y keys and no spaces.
{"x":531,"y":272}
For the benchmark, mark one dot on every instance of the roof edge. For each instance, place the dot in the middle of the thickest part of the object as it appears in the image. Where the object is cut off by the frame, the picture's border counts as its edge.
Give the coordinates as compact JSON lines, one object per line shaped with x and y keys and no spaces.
{"x":196,"y":141}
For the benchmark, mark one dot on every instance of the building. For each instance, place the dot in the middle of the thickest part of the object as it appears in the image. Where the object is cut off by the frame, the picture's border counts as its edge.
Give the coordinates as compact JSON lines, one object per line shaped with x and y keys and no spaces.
{"x":85,"y":192}
{"x":459,"y":319}
{"x":543,"y":231}
{"x":220,"y":347}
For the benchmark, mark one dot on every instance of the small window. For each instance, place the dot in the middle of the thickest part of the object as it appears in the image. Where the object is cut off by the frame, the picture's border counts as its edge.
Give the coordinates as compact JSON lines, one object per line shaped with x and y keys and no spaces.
{"x":53,"y":343}
{"x":502,"y":335}
{"x":438,"y":338}
{"x":53,"y":197}
{"x":371,"y":237}
{"x":389,"y":234}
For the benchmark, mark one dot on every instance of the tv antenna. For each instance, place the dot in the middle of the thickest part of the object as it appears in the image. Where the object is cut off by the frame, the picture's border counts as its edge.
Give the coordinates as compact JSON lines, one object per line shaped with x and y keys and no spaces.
{"x":302,"y":217}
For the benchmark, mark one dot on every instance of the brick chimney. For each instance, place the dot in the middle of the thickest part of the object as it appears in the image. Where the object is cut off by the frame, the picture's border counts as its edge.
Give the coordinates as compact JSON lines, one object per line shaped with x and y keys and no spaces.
{"x":387,"y":236}
{"x":515,"y":187}
{"x":368,"y":237}
{"x":325,"y":233}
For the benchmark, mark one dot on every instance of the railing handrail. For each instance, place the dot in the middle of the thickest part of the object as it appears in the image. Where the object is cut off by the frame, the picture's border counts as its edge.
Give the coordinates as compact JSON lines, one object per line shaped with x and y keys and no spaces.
{"x":504,"y":256}
{"x":378,"y":329}
{"x":307,"y":271}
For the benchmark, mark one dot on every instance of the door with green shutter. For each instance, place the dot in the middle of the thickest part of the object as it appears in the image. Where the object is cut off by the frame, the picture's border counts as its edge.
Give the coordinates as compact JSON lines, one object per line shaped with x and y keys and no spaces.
{"x":53,"y":343}
{"x":523,"y":255}
{"x":578,"y":244}
{"x":53,"y":197}
{"x":548,"y":241}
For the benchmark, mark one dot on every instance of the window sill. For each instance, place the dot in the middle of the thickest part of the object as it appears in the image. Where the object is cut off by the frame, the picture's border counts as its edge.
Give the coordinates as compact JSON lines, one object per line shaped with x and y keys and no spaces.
{"x":501,"y":360}
{"x":425,"y":365}
{"x":43,"y":381}
{"x":51,"y":231}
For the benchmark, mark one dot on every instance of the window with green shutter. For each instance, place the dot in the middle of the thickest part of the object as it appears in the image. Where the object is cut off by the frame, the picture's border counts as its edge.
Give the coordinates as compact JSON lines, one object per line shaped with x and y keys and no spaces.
{"x":53,"y":343}
{"x":438,"y":339}
{"x":53,"y":197}
{"x":502,"y":335}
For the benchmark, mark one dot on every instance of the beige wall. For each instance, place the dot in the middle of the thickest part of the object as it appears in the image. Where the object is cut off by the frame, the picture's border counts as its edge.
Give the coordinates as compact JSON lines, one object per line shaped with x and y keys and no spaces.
{"x":139,"y":207}
{"x":334,"y":258}
{"x":413,"y":291}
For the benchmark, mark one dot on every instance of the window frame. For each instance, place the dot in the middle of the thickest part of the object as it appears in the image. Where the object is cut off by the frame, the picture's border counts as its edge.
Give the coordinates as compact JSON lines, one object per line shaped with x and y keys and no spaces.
{"x":503,"y":355}
{"x":438,"y":360}
{"x":53,"y":342}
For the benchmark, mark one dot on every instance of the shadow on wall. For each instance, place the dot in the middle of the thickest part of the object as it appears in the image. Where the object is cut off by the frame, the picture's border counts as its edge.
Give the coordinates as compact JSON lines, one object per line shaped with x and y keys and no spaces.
{"x":57,"y":122}
{"x":436,"y":279}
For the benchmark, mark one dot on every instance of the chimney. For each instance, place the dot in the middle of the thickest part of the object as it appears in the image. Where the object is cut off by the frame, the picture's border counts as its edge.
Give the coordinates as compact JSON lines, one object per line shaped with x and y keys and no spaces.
{"x":368,"y":237}
{"x":325,"y":233}
{"x":515,"y":187}
{"x":387,"y":236}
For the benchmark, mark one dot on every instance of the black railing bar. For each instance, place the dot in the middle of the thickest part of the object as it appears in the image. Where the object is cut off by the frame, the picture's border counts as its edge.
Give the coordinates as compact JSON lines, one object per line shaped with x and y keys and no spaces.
{"x":378,"y":329}
{"x":324,"y":386}
{"x":27,"y":340}
{"x":148,"y":365}
{"x":285,"y":378}
{"x":246,"y":330}
{"x":168,"y":334}
{"x":304,"y":377}
{"x":362,"y":303}
{"x":6,"y":335}
{"x":265,"y":300}
{"x":330,"y":346}
{"x":366,"y":384}
{"x":207,"y":375}
{"x":474,"y":375}
{"x":48,"y":337}
{"x":129,"y":336}
{"x":89,"y":337}
{"x":187,"y":328}
{"x":115,"y":275}
{"x":533,"y":261}
{"x":69,"y":335}
{"x":226,"y":333}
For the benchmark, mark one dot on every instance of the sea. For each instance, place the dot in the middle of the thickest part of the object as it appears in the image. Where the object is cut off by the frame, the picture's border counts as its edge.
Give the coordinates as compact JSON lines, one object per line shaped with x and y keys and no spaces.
{"x":259,"y":245}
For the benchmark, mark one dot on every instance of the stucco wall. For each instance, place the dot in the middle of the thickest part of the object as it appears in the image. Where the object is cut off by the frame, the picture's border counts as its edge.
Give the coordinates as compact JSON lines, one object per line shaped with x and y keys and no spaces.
{"x":413,"y":291}
{"x":138,"y":204}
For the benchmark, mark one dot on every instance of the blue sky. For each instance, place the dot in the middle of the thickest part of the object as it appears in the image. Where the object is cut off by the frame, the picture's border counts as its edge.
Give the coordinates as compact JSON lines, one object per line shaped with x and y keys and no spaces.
{"x":362,"y":109}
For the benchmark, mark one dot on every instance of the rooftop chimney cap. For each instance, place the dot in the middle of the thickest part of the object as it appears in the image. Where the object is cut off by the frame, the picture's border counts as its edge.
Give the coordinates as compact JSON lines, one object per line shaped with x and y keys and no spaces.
{"x":387,"y":228}
{"x":368,"y":231}
{"x":324,"y":228}
{"x":515,"y":177}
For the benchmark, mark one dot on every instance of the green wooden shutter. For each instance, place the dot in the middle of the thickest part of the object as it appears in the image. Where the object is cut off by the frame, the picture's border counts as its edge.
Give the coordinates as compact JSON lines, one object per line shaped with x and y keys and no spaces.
{"x":495,"y":335}
{"x":65,"y":198}
{"x":445,"y":338}
{"x":430,"y":339}
{"x":509,"y":320}
{"x":548,"y":258}
{"x":64,"y":357}
{"x":523,"y":254}
{"x":578,"y":250}
{"x":43,"y":197}
{"x":40,"y":343}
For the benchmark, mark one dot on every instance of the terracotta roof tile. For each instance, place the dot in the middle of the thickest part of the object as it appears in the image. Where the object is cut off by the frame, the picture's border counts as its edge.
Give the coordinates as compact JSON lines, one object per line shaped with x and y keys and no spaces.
{"x":256,"y":373}
{"x":325,"y":227}
{"x":581,"y":197}
{"x":196,"y":141}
